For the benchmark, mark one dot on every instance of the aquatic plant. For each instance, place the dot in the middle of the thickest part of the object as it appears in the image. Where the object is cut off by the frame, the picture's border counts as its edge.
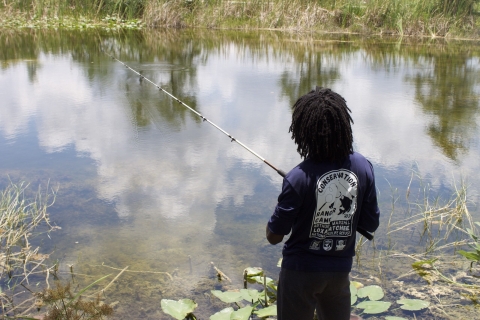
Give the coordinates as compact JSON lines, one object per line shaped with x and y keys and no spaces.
{"x":473,"y":255}
{"x":21,"y":219}
{"x":434,"y":18}
{"x":24,"y":269}
{"x":63,"y":304}
{"x":367,"y":299}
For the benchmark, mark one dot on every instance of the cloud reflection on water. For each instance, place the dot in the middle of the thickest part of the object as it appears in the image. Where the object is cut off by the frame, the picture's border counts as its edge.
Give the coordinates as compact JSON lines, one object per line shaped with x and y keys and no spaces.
{"x":168,"y":172}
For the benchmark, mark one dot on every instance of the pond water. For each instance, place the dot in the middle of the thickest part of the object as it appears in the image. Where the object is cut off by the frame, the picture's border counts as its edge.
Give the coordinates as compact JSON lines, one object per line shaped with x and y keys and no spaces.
{"x":143,"y":182}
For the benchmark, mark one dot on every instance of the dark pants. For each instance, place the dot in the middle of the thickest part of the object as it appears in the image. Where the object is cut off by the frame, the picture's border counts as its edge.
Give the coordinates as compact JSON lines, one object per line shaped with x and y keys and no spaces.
{"x":300,"y":293}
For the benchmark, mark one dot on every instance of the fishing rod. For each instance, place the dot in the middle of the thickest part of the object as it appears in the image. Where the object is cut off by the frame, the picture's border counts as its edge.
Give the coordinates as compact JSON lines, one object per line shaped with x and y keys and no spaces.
{"x":365,"y":233}
{"x":232,"y":139}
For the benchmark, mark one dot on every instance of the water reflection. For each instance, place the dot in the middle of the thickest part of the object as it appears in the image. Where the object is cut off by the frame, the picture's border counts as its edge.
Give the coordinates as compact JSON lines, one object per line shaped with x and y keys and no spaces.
{"x":145,"y":183}
{"x":449,"y":92}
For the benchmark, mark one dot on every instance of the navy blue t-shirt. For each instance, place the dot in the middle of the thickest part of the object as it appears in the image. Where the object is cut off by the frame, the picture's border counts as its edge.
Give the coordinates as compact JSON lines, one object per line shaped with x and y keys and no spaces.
{"x":322,"y":204}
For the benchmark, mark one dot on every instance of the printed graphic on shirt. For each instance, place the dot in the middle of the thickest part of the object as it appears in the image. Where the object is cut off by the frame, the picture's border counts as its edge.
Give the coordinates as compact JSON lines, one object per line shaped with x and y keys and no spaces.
{"x":336,"y":204}
{"x":327,"y":244}
{"x":340,"y":245}
{"x":315,"y":245}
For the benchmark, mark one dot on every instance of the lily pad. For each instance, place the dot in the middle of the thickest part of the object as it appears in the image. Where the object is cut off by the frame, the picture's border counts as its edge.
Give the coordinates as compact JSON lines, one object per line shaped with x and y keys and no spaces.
{"x":413,"y":304}
{"x":266,"y":312}
{"x":222,"y":314}
{"x":250,"y":294}
{"x":353,"y":294}
{"x":353,"y":299}
{"x":395,"y":318}
{"x":374,"y":307}
{"x":229,"y":296}
{"x":259,"y":279}
{"x":230,"y":314}
{"x":353,"y":289}
{"x":374,"y":292}
{"x":242,"y":314}
{"x":356,"y":284}
{"x":178,"y":309}
{"x":269,"y":281}
{"x":251,"y":272}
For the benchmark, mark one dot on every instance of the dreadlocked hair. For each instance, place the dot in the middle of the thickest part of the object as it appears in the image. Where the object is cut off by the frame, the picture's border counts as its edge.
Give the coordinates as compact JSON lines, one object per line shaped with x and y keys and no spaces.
{"x":321,"y":126}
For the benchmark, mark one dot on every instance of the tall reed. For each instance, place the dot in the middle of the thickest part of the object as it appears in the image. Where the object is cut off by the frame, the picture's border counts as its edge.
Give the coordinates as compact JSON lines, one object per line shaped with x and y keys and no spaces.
{"x":90,"y":8}
{"x":401,"y":17}
{"x":20,"y":218}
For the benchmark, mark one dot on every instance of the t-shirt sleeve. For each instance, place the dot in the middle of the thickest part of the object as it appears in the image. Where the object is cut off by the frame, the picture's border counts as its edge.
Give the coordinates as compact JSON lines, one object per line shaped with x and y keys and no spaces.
{"x":288,"y":205}
{"x":370,"y":214}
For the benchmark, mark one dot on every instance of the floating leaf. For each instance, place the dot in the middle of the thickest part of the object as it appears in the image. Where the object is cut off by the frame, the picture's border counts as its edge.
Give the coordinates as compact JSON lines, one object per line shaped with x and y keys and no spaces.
{"x":395,"y":318}
{"x":178,"y":309}
{"x":266,"y":312}
{"x":374,"y":307}
{"x":242,"y":314}
{"x":353,"y":289}
{"x":353,"y":294}
{"x":269,"y":281}
{"x":356,"y":284}
{"x":258,"y":279}
{"x":374,"y":292}
{"x":251,"y":272}
{"x":250,"y":294}
{"x":229,"y":296}
{"x":413,"y":304}
{"x":222,"y":314}
{"x":353,"y":299}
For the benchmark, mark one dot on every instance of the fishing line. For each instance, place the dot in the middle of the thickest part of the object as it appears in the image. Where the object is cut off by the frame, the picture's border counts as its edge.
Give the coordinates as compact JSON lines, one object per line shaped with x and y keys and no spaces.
{"x":365,"y":233}
{"x":232,"y":139}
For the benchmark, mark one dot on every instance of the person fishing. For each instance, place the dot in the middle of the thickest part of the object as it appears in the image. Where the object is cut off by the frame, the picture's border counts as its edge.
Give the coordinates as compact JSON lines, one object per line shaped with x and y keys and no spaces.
{"x":324,"y":200}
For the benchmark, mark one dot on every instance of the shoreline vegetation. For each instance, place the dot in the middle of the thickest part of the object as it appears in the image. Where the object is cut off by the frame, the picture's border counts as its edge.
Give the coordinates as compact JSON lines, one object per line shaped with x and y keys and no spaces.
{"x":452,"y":19}
{"x":439,"y":280}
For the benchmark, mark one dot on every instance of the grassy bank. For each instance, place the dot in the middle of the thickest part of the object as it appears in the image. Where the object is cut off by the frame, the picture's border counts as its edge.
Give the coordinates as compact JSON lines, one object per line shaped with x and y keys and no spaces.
{"x":432,"y":18}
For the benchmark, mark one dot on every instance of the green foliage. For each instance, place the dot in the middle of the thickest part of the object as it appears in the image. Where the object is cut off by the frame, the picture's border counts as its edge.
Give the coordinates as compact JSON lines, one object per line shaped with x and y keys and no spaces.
{"x":229,"y":296}
{"x":473,"y":255}
{"x":180,"y":309}
{"x":252,"y":272}
{"x":374,"y":307}
{"x":223,"y":314}
{"x":373,"y":292}
{"x":456,"y":7}
{"x":63,"y":304}
{"x":413,"y":304}
{"x":411,"y":17}
{"x":230,"y":314}
{"x":268,"y":281}
{"x":353,"y":293}
{"x":424,"y":269}
{"x":266,"y":312}
{"x":123,"y":8}
{"x":250,"y":295}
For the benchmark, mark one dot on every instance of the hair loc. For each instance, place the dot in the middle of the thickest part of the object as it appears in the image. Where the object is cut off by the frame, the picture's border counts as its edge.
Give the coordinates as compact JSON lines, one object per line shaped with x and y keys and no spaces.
{"x":321,"y":126}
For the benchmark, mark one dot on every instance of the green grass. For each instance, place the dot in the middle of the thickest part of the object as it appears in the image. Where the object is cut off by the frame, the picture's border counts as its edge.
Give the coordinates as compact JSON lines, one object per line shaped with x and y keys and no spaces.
{"x":434,"y":18}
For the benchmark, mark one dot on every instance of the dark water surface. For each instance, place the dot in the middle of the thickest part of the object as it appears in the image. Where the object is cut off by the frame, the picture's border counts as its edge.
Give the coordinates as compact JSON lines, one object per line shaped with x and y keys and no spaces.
{"x":143,"y":183}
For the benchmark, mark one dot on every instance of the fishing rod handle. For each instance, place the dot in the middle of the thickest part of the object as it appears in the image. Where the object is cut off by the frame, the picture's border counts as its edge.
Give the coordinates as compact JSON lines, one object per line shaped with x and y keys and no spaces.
{"x":365,"y":233}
